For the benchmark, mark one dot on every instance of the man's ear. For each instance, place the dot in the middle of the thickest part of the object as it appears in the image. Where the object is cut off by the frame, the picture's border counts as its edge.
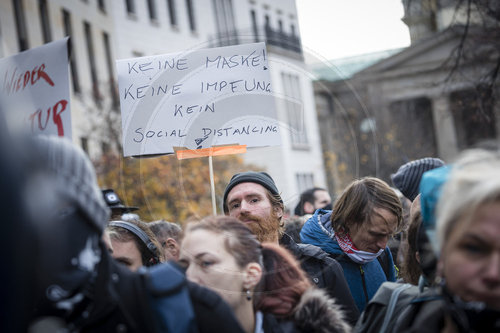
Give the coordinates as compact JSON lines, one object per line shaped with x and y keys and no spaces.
{"x":308,"y":208}
{"x":253,"y":274}
{"x":173,"y":247}
{"x":279,"y":211}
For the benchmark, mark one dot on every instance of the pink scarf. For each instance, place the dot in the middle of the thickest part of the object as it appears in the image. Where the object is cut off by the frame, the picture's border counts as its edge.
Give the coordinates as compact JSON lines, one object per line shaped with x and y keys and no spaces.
{"x":358,"y":256}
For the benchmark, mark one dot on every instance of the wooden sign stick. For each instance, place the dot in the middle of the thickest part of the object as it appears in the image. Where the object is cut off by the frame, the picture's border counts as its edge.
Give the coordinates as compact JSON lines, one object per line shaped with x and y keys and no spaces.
{"x":210,"y":152}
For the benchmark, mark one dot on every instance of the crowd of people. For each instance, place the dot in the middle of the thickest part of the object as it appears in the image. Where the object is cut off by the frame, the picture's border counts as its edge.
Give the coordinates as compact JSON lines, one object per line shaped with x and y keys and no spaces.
{"x":97,"y":267}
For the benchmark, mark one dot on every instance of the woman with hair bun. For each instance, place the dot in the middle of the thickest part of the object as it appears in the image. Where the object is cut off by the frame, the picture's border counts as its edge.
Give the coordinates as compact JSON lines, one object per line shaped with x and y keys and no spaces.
{"x":263,"y":284}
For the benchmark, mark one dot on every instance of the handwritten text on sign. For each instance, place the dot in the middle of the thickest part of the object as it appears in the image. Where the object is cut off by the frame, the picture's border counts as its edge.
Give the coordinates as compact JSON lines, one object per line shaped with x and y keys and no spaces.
{"x":197,"y":100}
{"x":35,"y":89}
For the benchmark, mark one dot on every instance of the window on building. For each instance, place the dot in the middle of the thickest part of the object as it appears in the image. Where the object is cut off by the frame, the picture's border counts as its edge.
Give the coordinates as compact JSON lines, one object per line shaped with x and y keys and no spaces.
{"x":93,"y":71}
{"x":282,"y":39}
{"x":271,"y":37}
{"x":324,"y":105}
{"x":44,"y":20}
{"x":130,"y":5}
{"x":191,"y":18}
{"x":224,"y":18}
{"x":68,"y":31}
{"x":294,"y":109}
{"x":152,"y":10}
{"x":292,"y":29}
{"x":102,"y":5}
{"x":84,"y":143}
{"x":171,"y":12}
{"x":474,"y":116}
{"x":1,"y":44}
{"x":304,"y":181}
{"x":255,"y":28}
{"x":109,"y":64}
{"x":414,"y":135}
{"x":22,"y":33}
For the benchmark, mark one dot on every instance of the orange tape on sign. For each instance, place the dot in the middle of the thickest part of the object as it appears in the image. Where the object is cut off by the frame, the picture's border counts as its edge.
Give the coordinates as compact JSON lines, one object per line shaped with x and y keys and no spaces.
{"x":212,"y":151}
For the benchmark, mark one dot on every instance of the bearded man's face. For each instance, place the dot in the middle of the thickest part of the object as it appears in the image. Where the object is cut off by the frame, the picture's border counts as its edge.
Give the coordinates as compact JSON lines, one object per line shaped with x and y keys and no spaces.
{"x":249,"y":203}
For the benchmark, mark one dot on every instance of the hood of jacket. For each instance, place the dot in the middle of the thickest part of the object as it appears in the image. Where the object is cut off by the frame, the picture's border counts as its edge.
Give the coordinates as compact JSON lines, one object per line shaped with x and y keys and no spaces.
{"x":318,"y":313}
{"x":318,"y":231}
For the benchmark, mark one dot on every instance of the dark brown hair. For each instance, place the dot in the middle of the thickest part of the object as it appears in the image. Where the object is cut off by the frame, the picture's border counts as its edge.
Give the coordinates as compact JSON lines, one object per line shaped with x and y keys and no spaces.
{"x":356,"y":203}
{"x":410,"y":268}
{"x":283,"y":283}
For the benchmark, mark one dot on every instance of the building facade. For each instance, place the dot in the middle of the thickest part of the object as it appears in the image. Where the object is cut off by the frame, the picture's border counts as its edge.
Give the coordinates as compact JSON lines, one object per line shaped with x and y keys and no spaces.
{"x":415,"y":103}
{"x":102,"y":31}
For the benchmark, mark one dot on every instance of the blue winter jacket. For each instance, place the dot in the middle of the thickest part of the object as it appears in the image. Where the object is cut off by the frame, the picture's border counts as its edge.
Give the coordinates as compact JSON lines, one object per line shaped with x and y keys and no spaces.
{"x":363,"y":280}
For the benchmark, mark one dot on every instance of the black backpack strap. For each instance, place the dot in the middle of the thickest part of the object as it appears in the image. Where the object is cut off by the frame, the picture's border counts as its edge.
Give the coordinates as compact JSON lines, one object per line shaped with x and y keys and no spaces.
{"x":339,"y":256}
{"x":383,"y":260}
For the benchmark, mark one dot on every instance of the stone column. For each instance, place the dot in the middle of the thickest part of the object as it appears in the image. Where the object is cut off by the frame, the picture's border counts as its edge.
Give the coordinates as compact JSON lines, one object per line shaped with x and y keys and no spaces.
{"x":444,"y":126}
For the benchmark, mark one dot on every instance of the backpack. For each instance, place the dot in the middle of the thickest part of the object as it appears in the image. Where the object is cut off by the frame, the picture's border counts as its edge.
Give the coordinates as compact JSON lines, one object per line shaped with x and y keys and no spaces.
{"x":181,"y":306}
{"x":394,"y":307}
{"x":170,"y":299}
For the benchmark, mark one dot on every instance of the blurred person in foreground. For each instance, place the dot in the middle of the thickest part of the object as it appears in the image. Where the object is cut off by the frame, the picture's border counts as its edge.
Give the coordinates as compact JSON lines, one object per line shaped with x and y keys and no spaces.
{"x":253,"y":198}
{"x":77,"y":286}
{"x":356,"y":232}
{"x":466,"y":213}
{"x":264,"y":284}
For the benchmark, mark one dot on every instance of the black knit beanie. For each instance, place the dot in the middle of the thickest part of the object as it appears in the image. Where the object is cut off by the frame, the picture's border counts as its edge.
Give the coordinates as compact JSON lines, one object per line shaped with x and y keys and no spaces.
{"x":407,"y":178}
{"x":261,"y":178}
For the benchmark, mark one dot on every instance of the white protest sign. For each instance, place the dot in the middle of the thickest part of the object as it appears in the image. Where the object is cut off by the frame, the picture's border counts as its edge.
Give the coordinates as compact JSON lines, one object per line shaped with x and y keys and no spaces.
{"x":198,"y":99}
{"x":35,"y":90}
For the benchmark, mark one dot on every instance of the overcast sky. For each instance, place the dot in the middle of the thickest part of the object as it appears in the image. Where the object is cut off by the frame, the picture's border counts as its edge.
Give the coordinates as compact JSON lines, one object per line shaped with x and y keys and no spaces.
{"x":332,"y":29}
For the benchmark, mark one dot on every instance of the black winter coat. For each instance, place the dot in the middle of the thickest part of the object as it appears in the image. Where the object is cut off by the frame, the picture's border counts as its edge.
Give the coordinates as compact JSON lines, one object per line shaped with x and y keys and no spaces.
{"x":326,"y":273}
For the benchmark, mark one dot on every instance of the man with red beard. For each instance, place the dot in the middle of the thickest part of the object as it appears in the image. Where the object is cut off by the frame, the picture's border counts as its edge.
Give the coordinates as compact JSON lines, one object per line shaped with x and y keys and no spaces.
{"x":253,"y":198}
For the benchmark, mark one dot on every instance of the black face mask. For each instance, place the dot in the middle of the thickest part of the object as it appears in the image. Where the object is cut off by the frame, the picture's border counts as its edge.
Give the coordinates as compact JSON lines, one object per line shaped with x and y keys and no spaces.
{"x":328,"y":207}
{"x":471,"y":317}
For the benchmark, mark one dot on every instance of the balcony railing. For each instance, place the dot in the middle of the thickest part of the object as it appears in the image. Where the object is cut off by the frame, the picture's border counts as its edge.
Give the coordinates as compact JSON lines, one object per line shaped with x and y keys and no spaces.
{"x":265,"y":34}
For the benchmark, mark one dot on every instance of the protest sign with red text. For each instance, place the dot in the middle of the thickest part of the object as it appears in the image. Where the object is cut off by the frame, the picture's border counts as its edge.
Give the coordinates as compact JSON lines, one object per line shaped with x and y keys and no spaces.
{"x":35,"y":90}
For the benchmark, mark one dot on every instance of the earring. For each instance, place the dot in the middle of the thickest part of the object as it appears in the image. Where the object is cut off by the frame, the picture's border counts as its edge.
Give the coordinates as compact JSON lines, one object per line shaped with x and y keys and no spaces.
{"x":249,"y":296}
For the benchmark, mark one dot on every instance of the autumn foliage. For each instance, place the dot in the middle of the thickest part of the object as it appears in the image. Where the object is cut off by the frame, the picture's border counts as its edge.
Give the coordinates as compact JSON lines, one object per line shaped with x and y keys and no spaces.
{"x":164,"y":187}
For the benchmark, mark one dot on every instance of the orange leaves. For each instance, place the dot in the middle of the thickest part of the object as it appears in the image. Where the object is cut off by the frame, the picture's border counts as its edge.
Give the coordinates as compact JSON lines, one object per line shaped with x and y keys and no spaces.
{"x":164,"y":187}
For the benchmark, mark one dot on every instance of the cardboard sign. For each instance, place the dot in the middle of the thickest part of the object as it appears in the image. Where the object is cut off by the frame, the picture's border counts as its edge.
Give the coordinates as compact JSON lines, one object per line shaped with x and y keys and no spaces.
{"x":197,"y":100}
{"x":35,"y":90}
